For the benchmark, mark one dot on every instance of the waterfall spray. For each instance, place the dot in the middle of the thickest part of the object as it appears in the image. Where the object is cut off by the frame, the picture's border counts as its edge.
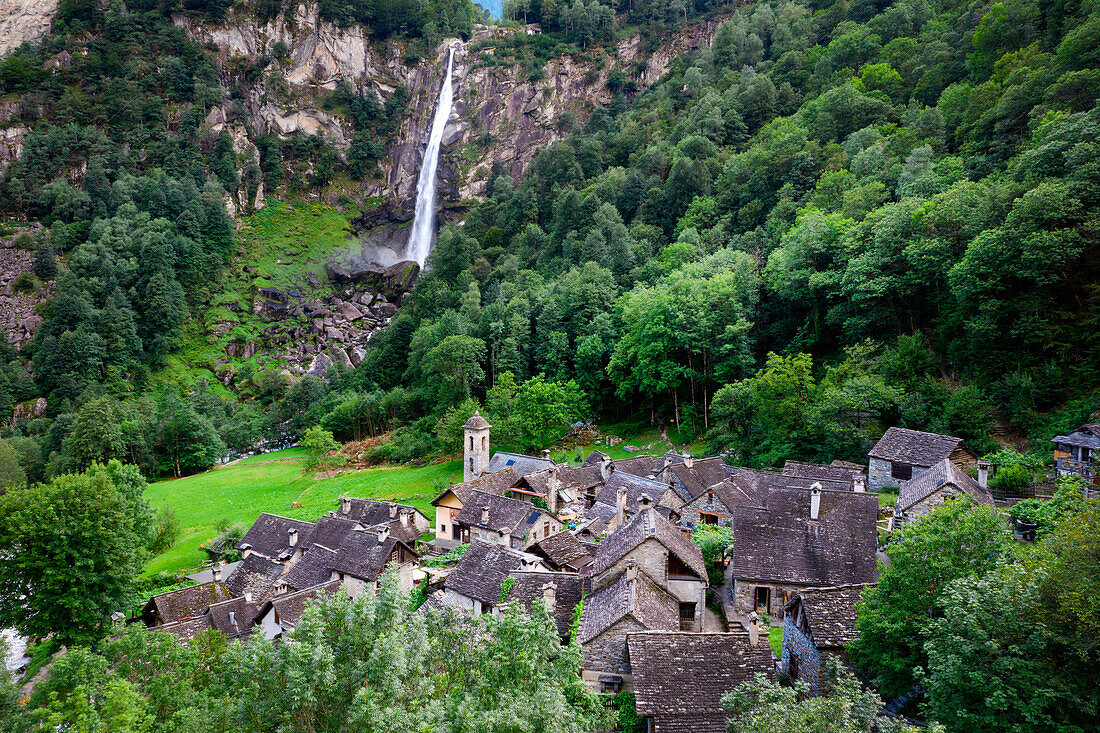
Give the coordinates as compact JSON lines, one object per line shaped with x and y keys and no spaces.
{"x":423,"y":227}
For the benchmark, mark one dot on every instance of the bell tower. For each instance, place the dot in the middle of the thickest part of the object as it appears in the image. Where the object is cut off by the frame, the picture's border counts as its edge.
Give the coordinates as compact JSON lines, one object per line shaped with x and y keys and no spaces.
{"x":475,"y":447}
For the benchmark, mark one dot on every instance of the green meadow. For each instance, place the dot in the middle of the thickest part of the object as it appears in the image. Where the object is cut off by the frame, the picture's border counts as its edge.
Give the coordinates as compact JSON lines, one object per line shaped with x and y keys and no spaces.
{"x":275,"y":482}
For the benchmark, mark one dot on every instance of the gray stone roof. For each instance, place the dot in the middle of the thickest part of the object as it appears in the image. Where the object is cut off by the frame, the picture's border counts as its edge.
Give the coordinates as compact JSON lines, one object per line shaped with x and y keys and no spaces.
{"x":255,"y":573}
{"x":935,"y":477}
{"x":369,"y":512}
{"x":329,"y":532}
{"x":185,"y":603}
{"x":563,"y":550}
{"x":291,"y":605}
{"x":740,"y":489}
{"x":363,"y":556}
{"x":510,"y":516}
{"x":187,"y":629}
{"x":518,"y":462}
{"x":233,"y":617}
{"x":780,"y":543}
{"x":648,"y":524}
{"x":635,"y":487}
{"x":645,"y":465}
{"x":819,"y":472}
{"x":829,"y":614}
{"x":269,"y":535}
{"x":529,"y":587}
{"x":482,"y":570}
{"x":703,"y":474}
{"x":648,"y":603}
{"x":1086,"y":436}
{"x":680,"y":678}
{"x":313,"y":568}
{"x":476,"y":422}
{"x":575,"y":480}
{"x":901,"y":445}
{"x":491,"y":483}
{"x":595,"y":458}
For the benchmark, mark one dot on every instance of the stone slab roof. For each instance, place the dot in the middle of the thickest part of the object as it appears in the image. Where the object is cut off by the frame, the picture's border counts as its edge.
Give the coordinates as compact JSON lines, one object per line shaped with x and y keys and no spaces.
{"x":491,"y":483}
{"x":640,"y":597}
{"x":635,"y":487}
{"x":645,"y":465}
{"x":314,"y":568}
{"x":680,"y":678}
{"x":233,"y":617}
{"x":482,"y":570}
{"x":930,"y":480}
{"x":362,"y":555}
{"x":529,"y":587}
{"x":781,"y":544}
{"x":901,"y":445}
{"x":369,"y":512}
{"x":476,"y":422}
{"x":563,"y":550}
{"x":255,"y":573}
{"x":510,"y":516}
{"x":648,"y":524}
{"x":1086,"y":436}
{"x":186,"y":630}
{"x":701,"y":475}
{"x":269,"y":535}
{"x":330,"y":532}
{"x":185,"y":603}
{"x":518,"y":462}
{"x":819,"y":472}
{"x":291,"y":605}
{"x":830,"y":613}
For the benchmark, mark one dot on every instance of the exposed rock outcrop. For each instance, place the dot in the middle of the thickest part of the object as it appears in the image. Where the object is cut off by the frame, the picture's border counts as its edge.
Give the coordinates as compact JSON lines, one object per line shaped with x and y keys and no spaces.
{"x":24,"y":21}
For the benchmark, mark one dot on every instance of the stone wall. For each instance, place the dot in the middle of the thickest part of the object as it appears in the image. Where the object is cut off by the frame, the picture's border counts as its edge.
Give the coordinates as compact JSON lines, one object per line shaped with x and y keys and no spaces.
{"x":744,"y":595}
{"x":878,"y":475}
{"x":709,"y":502}
{"x":650,"y":556}
{"x":798,"y":645}
{"x":929,"y":503}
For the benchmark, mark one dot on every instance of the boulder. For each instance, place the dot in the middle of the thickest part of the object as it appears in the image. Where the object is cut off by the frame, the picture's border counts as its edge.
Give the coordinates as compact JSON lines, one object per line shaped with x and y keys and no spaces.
{"x":319,"y":366}
{"x":339,"y":356}
{"x":334,"y":334}
{"x":393,"y":282}
{"x":357,"y":354}
{"x":348,"y":311}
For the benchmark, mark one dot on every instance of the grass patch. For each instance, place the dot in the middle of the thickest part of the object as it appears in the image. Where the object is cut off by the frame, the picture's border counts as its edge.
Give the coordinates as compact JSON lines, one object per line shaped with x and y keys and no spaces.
{"x":887,"y":498}
{"x":775,"y":640}
{"x":274,"y":482}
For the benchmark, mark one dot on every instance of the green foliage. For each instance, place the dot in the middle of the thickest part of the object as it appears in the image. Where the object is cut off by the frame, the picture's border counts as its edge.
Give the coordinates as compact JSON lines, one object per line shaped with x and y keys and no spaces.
{"x":626,"y":716}
{"x":713,"y":541}
{"x":842,"y":706}
{"x":1045,"y":514}
{"x":450,"y":557}
{"x":957,"y":540}
{"x":74,"y":545}
{"x":506,"y":588}
{"x":318,"y":444}
{"x":1011,"y":480}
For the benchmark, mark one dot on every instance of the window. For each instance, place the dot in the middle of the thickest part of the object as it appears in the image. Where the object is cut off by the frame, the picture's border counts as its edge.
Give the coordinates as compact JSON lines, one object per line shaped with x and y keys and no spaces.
{"x":611,"y":683}
{"x":763,"y":598}
{"x":393,"y":555}
{"x":792,"y":667}
{"x":901,"y":471}
{"x":708,"y":518}
{"x":484,"y":442}
{"x":471,"y":461}
{"x":687,"y":616}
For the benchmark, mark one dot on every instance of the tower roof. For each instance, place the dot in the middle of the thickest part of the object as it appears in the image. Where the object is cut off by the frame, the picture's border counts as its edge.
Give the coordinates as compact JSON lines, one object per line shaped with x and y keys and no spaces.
{"x":477,"y":422}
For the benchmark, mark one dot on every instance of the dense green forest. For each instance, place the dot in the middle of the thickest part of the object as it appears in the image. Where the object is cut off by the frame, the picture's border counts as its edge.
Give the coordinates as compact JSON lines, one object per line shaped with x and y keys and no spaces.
{"x":837,"y":217}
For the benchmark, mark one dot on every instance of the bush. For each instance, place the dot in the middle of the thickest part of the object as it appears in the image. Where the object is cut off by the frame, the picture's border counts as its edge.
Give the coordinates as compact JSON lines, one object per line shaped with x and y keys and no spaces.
{"x":166,"y":531}
{"x":1011,"y":481}
{"x":24,"y":283}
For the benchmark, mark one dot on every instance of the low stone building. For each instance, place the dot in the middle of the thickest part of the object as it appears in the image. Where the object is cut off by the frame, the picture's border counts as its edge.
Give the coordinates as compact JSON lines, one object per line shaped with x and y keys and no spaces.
{"x":274,"y":537}
{"x":796,"y":538}
{"x":902,"y":454}
{"x":679,"y":679}
{"x":406,"y":522}
{"x":631,"y":602}
{"x":475,"y":583}
{"x":818,"y":623}
{"x":183,"y":603}
{"x":280,"y":615}
{"x":559,"y":594}
{"x":563,"y":551}
{"x":653,"y":544}
{"x":934,"y":486}
{"x":504,"y":521}
{"x":714,"y":504}
{"x":449,"y":503}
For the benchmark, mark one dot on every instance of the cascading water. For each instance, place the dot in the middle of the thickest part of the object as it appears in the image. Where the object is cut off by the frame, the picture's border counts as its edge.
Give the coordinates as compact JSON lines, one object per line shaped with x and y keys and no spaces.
{"x":420,"y":238}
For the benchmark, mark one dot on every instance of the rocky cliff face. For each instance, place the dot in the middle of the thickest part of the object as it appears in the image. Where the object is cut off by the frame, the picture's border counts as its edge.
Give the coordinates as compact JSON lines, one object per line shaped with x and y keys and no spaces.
{"x":500,"y":116}
{"x":24,"y":21}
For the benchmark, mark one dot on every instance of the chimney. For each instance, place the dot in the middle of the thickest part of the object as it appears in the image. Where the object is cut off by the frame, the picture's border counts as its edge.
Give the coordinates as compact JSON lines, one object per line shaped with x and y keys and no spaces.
{"x":606,"y":468}
{"x":546,"y":454}
{"x":404,"y":519}
{"x":754,"y":629}
{"x":552,"y":492}
{"x":644,"y":502}
{"x":620,"y":507}
{"x":345,"y":505}
{"x":232,"y":618}
{"x":248,"y":595}
{"x":246,"y":550}
{"x":528,"y":563}
{"x":383,"y":534}
{"x":983,"y":473}
{"x":688,"y":460}
{"x":631,"y":570}
{"x":550,"y":597}
{"x":859,"y":484}
{"x":815,"y":500}
{"x":292,"y":536}
{"x":281,"y":588}
{"x":393,"y":511}
{"x":485,"y":515}
{"x":216,"y":571}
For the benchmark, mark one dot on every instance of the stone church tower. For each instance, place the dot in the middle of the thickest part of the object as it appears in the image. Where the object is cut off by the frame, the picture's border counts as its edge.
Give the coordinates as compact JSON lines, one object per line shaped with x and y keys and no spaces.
{"x":475,"y":447}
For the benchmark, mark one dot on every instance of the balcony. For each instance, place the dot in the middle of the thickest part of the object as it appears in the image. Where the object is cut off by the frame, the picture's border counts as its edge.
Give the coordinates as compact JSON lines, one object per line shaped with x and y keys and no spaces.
{"x":1064,"y":466}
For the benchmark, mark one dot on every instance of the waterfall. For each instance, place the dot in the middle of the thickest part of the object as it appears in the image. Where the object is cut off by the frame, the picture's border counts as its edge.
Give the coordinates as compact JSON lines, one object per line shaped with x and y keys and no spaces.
{"x":420,"y":238}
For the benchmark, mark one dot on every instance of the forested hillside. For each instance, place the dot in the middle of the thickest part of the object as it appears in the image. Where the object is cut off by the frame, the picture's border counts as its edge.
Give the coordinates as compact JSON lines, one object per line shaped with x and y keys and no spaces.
{"x":831,"y":218}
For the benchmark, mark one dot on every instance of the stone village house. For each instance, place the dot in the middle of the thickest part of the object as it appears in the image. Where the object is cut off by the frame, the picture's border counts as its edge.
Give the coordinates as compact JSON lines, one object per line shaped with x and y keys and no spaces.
{"x":935,"y":485}
{"x":498,"y":519}
{"x":475,"y":583}
{"x":902,"y":454}
{"x":818,"y":623}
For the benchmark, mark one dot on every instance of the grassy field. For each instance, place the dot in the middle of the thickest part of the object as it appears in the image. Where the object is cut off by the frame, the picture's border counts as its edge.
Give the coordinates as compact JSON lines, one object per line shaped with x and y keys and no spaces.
{"x":274,"y":482}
